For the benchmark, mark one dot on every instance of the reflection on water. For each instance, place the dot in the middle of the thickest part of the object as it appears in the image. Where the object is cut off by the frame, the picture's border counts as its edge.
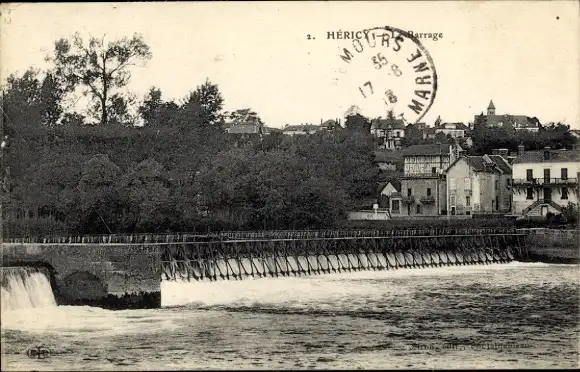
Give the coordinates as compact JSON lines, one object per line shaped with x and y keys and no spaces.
{"x":514,"y":316}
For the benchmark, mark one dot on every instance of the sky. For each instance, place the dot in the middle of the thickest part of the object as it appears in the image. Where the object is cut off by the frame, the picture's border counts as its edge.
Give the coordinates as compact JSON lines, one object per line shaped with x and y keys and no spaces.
{"x":524,"y":55}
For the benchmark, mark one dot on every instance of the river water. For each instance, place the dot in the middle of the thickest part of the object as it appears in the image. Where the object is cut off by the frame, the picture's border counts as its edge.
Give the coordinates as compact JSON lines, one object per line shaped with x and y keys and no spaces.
{"x":496,"y":316}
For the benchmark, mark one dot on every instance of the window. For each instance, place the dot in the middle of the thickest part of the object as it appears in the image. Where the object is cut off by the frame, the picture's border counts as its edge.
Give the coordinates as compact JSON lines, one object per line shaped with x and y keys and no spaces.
{"x":497,"y":203}
{"x":508,"y":181}
{"x":564,"y":193}
{"x":564,"y":174}
{"x":546,"y":175}
{"x":529,"y":174}
{"x":452,"y":185}
{"x":395,"y":206}
{"x":530,"y":193}
{"x":497,"y":184}
{"x":434,"y":170}
{"x":418,"y":208}
{"x":428,"y":191}
{"x":409,"y":191}
{"x":467,"y":201}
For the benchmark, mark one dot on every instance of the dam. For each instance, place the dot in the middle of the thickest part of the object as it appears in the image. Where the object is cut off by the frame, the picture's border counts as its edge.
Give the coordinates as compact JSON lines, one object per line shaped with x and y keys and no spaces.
{"x":125,"y":271}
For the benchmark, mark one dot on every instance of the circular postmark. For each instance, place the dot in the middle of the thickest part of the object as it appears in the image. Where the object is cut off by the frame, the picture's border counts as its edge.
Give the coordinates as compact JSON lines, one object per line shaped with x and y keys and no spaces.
{"x":388,"y":69}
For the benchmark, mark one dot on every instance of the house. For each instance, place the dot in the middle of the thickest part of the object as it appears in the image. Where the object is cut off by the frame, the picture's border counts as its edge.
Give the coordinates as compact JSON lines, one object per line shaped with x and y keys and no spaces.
{"x":388,"y":160}
{"x":385,"y":190}
{"x":429,"y":133}
{"x":293,"y":130}
{"x":575,"y":133}
{"x":545,"y":181}
{"x":455,"y":130}
{"x":390,"y":132}
{"x":330,"y":124}
{"x":517,"y":122}
{"x":244,"y":131}
{"x":479,"y":184}
{"x":423,"y":185}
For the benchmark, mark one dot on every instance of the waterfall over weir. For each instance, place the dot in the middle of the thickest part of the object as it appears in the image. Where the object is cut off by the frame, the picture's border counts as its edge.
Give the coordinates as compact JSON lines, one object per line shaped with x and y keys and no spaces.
{"x":273,"y":257}
{"x":25,"y":287}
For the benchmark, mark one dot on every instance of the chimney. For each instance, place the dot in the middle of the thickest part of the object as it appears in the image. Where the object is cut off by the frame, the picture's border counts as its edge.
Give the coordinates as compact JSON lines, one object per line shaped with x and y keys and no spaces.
{"x":495,"y":152}
{"x":547,"y":153}
{"x":520,"y":149}
{"x":320,"y":121}
{"x":503,"y":152}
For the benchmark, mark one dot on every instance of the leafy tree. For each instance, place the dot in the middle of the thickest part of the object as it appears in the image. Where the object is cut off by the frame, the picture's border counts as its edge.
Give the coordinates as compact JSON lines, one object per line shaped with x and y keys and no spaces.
{"x":100,"y":68}
{"x":203,"y":107}
{"x":245,"y":116}
{"x":146,"y":190}
{"x":97,"y":200}
{"x":413,"y":136}
{"x":358,"y":122}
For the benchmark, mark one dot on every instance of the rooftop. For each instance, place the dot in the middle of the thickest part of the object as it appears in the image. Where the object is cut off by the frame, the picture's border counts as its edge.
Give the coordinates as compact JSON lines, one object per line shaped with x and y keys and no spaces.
{"x":384,"y":123}
{"x":459,"y":126}
{"x":388,"y":156}
{"x":427,"y":150}
{"x":502,"y":163}
{"x":302,"y":127}
{"x":244,"y":129}
{"x":555,"y":156}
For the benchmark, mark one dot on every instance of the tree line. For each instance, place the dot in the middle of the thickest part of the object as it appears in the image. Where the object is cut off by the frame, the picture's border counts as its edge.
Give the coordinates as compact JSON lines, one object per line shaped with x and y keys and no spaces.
{"x":96,"y":171}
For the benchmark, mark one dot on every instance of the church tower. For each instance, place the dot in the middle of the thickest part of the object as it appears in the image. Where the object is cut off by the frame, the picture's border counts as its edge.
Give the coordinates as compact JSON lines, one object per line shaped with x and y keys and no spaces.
{"x":491,"y":109}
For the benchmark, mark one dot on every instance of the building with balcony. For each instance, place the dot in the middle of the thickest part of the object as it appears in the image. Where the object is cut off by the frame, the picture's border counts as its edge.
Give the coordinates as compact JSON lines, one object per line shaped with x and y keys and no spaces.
{"x":545,"y":181}
{"x":479,"y":184}
{"x":423,"y":185}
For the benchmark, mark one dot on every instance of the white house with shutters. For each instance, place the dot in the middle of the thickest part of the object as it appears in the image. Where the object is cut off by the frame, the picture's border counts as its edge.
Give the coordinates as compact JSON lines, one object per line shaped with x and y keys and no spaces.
{"x":545,"y":181}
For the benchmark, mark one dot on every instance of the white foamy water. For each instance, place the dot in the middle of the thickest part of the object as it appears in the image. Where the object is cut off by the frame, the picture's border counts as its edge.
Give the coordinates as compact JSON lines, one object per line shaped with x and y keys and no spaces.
{"x":23,"y":289}
{"x":368,"y":319}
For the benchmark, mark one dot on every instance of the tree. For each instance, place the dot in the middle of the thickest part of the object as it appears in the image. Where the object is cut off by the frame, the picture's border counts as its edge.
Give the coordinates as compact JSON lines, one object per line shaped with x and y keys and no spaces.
{"x":157,"y":113}
{"x":358,"y":122}
{"x":99,"y":67}
{"x":146,"y":190}
{"x":245,"y":116}
{"x":203,"y":107}
{"x":97,"y":198}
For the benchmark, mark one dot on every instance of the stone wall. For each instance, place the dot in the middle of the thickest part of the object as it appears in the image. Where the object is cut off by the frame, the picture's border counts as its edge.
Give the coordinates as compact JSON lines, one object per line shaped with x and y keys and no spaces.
{"x":113,"y":275}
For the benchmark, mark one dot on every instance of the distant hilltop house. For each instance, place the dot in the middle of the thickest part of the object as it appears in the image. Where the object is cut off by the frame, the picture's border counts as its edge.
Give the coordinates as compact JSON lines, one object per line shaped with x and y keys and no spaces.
{"x":328,"y":125}
{"x":389,"y":132}
{"x":545,"y":181}
{"x":455,"y":130}
{"x":575,"y":133}
{"x":518,"y":122}
{"x":246,"y":129}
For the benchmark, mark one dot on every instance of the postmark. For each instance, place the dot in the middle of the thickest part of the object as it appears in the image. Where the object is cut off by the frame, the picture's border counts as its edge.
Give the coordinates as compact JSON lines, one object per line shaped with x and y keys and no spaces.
{"x":388,"y":69}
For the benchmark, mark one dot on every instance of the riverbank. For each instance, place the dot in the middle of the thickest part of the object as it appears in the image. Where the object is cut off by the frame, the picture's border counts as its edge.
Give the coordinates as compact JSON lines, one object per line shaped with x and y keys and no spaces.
{"x":553,"y":245}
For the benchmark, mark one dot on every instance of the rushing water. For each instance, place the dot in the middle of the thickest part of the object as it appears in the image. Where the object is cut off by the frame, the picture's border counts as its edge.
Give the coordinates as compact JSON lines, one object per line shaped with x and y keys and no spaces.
{"x":510,"y":315}
{"x":24,"y":287}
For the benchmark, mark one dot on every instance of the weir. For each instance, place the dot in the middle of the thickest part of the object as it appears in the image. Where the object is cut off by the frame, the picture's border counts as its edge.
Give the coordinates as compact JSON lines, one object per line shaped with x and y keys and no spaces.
{"x":261,"y":256}
{"x":120,"y":272}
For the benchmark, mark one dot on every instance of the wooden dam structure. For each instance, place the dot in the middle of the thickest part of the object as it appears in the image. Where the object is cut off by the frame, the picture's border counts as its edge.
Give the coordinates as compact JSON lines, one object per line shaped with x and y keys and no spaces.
{"x":239,"y":255}
{"x":126,"y":271}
